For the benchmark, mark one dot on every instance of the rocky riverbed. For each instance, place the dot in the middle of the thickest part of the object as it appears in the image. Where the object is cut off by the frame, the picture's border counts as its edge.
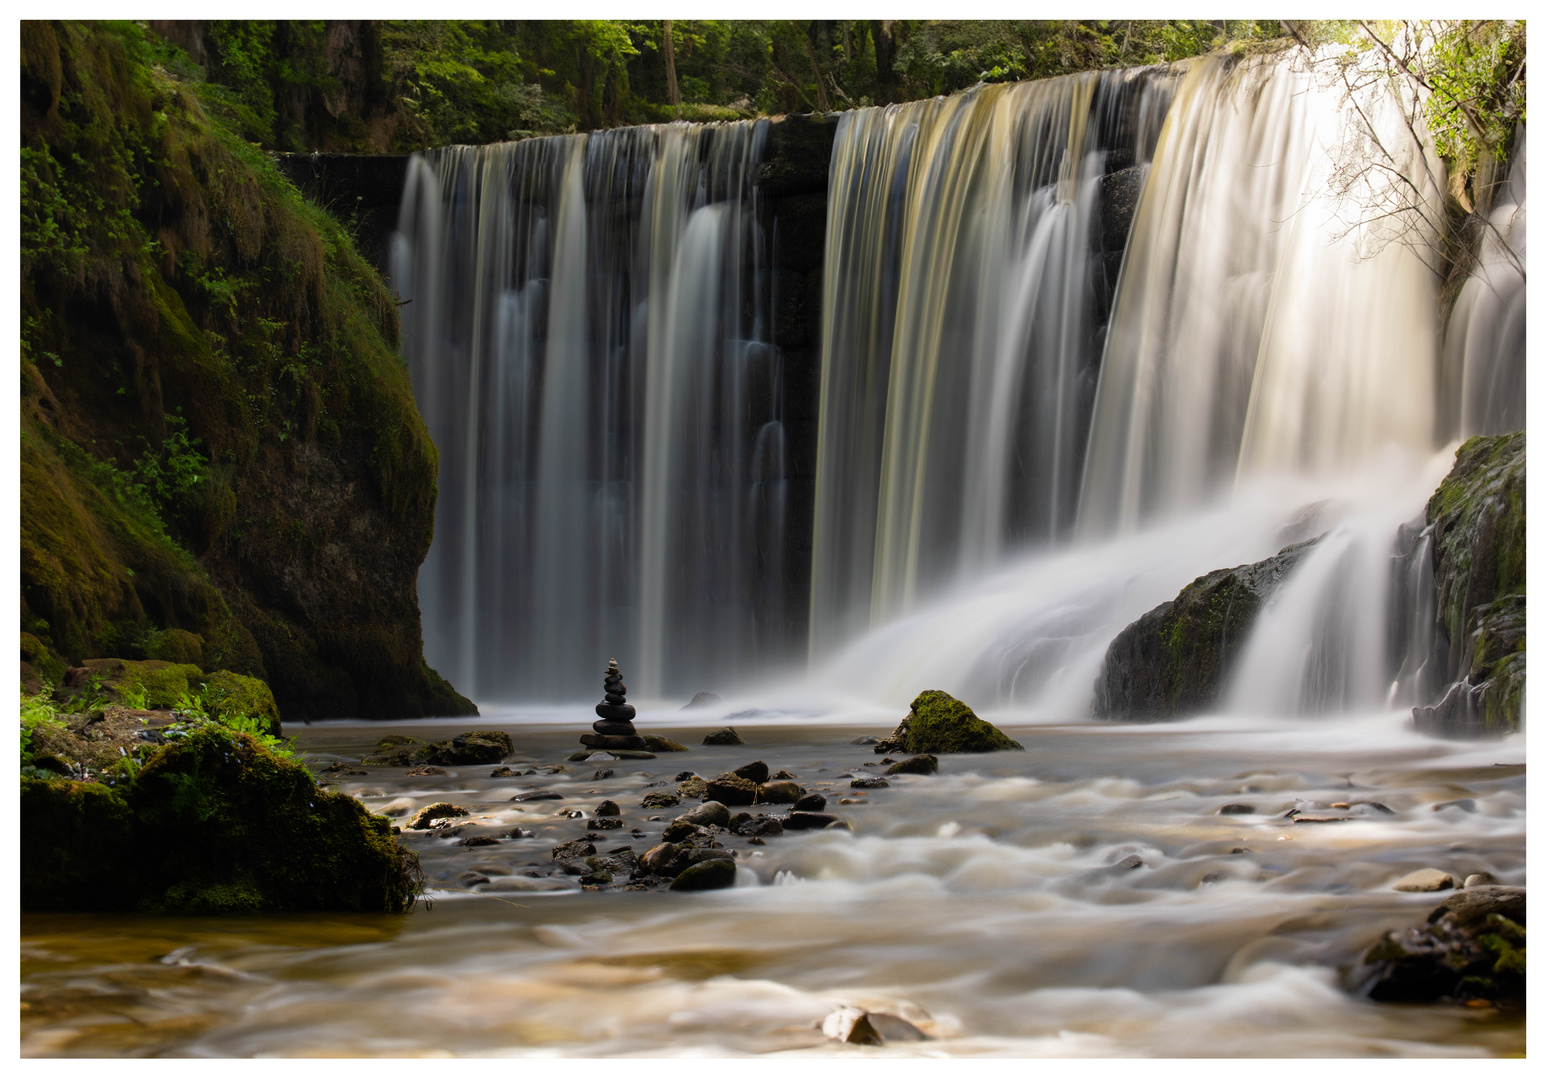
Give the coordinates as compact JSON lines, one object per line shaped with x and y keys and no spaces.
{"x":1090,"y":894}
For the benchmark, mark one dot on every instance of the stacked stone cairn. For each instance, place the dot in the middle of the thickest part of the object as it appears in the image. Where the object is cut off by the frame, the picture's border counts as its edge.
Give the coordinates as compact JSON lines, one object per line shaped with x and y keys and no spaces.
{"x":615,"y":729}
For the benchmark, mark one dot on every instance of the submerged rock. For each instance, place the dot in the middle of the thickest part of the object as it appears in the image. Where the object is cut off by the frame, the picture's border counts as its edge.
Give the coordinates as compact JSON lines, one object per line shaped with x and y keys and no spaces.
{"x":1173,"y":660}
{"x":1426,"y":880}
{"x":937,"y":723}
{"x":1478,"y":521}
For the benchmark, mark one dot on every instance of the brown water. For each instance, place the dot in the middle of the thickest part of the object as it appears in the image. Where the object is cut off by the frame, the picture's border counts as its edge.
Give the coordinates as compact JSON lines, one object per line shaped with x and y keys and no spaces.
{"x":983,"y":904}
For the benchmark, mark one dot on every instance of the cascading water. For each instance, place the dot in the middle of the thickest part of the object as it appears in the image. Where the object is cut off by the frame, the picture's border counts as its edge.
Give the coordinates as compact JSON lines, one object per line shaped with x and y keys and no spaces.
{"x":588,"y":341}
{"x":1271,"y":344}
{"x":1485,"y":342}
{"x":965,"y":290}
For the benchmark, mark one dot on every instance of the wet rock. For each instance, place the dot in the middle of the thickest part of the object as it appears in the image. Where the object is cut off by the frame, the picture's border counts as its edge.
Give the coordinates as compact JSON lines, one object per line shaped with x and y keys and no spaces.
{"x":937,"y":723}
{"x":426,"y":770}
{"x":921,"y":765}
{"x":1471,"y":947}
{"x":518,"y":833}
{"x":613,"y":727}
{"x":702,"y":700}
{"x":656,"y":799}
{"x":725,"y":736}
{"x":468,"y":748}
{"x":607,"y":808}
{"x":709,"y":813}
{"x":478,"y":841}
{"x":1470,"y":907}
{"x":864,"y":740}
{"x":732,"y":790}
{"x":702,"y":876}
{"x":814,"y":802}
{"x":1379,"y":807}
{"x":625,"y":755}
{"x":693,"y":787}
{"x":851,"y":1025}
{"x":783,"y":774}
{"x":868,"y":782}
{"x":612,"y":742}
{"x":685,"y":831}
{"x":1426,"y":880}
{"x":535,"y":796}
{"x":573,"y":849}
{"x":1173,"y":660}
{"x":755,"y":771}
{"x":1474,"y":880}
{"x":1469,"y":805}
{"x":685,"y":774}
{"x":503,"y":770}
{"x":1237,"y":808}
{"x":1477,"y":519}
{"x":806,"y":819}
{"x":660,"y":744}
{"x":779,"y":791}
{"x":663,"y":859}
{"x":470,"y":878}
{"x":604,"y":823}
{"x":757,"y":825}
{"x":1132,"y":862}
{"x":435,"y":811}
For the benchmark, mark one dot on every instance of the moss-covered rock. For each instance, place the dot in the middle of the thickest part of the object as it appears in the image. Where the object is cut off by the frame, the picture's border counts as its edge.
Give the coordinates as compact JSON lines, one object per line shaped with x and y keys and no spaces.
{"x":1473,"y":945}
{"x":218,"y":436}
{"x":468,"y":748}
{"x":225,"y":693}
{"x":939,"y":724}
{"x":1478,"y":520}
{"x":211,"y":823}
{"x":1174,"y":659}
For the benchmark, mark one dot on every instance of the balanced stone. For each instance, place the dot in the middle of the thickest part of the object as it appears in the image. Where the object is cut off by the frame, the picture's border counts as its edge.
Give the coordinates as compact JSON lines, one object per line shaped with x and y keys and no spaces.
{"x":613,"y":727}
{"x":614,"y":705}
{"x":612,"y":742}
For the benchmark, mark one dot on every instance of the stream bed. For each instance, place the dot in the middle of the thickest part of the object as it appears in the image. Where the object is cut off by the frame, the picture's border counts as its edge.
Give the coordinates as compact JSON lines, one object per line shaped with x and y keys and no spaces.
{"x":995,"y":906}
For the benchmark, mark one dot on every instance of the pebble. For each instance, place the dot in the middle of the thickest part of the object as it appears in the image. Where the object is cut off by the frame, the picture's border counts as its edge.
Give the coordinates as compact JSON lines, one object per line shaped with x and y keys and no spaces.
{"x":503,"y":770}
{"x":709,"y":813}
{"x":850,"y":1025}
{"x":1474,"y":880}
{"x":656,"y":799}
{"x":574,"y":849}
{"x":755,"y":771}
{"x":1425,"y":880}
{"x":815,"y":801}
{"x":601,"y":774}
{"x":607,"y":808}
{"x":702,"y":876}
{"x":604,"y":823}
{"x":779,"y":791}
{"x":1132,"y":862}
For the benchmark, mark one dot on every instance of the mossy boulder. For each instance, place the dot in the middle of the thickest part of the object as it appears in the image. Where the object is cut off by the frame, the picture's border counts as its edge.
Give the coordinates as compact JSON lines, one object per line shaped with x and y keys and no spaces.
{"x":1174,"y":660}
{"x":1472,"y":946}
{"x":937,"y":723}
{"x":468,"y":748}
{"x":1478,"y":521}
{"x":225,"y":693}
{"x":41,"y":667}
{"x":212,"y":823}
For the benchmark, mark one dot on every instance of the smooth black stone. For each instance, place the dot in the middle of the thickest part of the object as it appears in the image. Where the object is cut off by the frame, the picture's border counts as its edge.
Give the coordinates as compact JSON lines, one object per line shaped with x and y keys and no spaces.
{"x":615,"y":712}
{"x":616,"y":699}
{"x":613,"y":727}
{"x":612,"y":742}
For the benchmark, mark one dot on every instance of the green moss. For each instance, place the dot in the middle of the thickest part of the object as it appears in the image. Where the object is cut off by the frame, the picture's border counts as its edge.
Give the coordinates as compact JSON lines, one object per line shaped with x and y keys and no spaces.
{"x":940,"y":724}
{"x":213,"y":823}
{"x":219,"y":437}
{"x":226,"y":693}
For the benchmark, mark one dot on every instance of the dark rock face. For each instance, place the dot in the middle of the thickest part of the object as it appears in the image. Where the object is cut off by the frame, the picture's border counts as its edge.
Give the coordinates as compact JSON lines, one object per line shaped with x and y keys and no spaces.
{"x":937,"y":723}
{"x":1473,"y":945}
{"x":1478,"y":518}
{"x":1174,"y":660}
{"x":315,"y":495}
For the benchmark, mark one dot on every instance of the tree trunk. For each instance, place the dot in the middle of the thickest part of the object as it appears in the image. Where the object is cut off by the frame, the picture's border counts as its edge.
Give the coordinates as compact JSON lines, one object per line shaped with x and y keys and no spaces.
{"x":823,"y":102}
{"x":672,"y":93}
{"x":886,"y":54}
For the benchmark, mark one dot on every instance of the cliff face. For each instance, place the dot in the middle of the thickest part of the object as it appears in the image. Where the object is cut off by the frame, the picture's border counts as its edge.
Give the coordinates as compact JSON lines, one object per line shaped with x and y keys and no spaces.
{"x":1478,"y":518}
{"x":217,"y":434}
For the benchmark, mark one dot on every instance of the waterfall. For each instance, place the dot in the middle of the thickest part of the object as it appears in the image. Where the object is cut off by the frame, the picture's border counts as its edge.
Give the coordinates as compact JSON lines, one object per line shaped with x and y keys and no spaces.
{"x":586,"y":326}
{"x":1486,"y":340}
{"x":966,"y":284}
{"x":1269,"y":321}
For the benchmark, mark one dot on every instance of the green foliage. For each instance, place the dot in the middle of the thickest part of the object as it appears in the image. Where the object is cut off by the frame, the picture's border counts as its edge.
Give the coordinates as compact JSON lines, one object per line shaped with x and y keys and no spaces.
{"x":1477,"y":78}
{"x":37,"y":711}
